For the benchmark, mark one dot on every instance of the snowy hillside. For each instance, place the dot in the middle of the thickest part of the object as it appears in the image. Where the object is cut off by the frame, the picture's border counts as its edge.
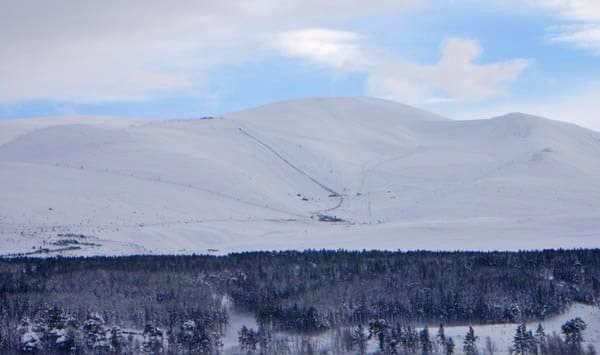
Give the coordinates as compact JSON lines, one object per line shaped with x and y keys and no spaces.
{"x":265,"y":178}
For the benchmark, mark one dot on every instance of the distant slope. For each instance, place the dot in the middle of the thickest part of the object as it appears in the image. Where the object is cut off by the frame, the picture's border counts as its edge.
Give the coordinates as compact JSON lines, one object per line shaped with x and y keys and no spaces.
{"x":262,"y":178}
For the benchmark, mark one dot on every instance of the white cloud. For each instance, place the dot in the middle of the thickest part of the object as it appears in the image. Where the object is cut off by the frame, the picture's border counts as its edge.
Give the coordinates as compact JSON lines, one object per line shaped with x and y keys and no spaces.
{"x":583,"y":16}
{"x":339,"y":49}
{"x":460,"y":75}
{"x":112,"y":49}
{"x":581,"y":36}
{"x":456,"y":76}
{"x":579,"y":10}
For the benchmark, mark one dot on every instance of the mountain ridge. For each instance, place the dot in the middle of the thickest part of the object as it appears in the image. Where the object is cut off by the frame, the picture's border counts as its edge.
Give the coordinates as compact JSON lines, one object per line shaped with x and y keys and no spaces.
{"x":390,"y":176}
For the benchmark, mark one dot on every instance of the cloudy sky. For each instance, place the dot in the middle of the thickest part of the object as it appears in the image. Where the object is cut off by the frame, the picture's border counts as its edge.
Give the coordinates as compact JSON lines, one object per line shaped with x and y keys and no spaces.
{"x":150,"y":58}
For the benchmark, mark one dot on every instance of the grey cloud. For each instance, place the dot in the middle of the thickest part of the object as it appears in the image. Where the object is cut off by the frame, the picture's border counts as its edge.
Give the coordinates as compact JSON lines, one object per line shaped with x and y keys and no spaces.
{"x":107,"y":50}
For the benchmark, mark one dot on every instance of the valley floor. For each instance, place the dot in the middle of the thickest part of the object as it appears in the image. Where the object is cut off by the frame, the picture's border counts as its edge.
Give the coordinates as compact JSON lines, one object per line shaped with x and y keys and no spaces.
{"x":501,"y":335}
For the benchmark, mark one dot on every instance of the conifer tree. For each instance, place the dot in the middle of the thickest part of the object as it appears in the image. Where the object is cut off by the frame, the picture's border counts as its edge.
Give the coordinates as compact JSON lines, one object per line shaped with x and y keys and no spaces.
{"x":523,"y":341}
{"x":425,"y":340}
{"x":95,"y":334}
{"x":470,"y":342}
{"x":360,"y":339}
{"x":540,"y":338}
{"x":153,"y":340}
{"x":449,"y":346}
{"x":248,"y":339}
{"x":378,"y":329}
{"x":573,"y":332}
{"x":440,"y":338}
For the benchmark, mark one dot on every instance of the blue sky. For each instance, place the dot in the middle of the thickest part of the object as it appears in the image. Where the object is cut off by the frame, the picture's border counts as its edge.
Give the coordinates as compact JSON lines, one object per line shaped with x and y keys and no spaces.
{"x":462,"y":59}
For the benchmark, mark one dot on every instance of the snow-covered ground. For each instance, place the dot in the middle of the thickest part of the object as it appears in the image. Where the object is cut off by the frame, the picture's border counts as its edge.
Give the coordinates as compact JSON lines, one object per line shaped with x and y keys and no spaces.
{"x":400,"y":178}
{"x":501,"y":335}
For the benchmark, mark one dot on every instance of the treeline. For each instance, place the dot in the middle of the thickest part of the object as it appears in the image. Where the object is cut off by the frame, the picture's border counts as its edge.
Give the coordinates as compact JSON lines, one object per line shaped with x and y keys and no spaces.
{"x":54,"y":331}
{"x":316,"y":290}
{"x":398,"y":339}
{"x":299,"y":292}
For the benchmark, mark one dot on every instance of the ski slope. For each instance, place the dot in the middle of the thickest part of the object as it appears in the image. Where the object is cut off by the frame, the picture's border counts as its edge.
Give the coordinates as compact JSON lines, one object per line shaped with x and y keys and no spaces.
{"x":264,"y":178}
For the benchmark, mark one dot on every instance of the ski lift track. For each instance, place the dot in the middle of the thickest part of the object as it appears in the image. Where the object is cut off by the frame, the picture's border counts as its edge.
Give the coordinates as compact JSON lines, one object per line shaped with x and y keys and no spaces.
{"x":293,"y":166}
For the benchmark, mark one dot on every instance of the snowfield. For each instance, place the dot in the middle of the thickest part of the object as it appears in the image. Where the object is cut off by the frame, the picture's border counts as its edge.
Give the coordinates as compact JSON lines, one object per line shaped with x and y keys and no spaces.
{"x":268,"y":177}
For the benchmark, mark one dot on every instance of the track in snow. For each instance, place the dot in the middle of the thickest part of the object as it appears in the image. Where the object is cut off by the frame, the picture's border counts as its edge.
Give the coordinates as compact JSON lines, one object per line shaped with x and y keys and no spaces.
{"x":293,"y":166}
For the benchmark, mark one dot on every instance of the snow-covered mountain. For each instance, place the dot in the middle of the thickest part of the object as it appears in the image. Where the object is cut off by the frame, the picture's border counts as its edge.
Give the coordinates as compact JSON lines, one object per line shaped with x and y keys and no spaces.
{"x":266,"y":178}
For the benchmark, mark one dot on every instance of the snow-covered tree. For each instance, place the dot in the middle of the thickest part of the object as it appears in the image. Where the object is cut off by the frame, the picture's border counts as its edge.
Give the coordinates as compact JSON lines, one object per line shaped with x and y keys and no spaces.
{"x":117,"y":340}
{"x":440,"y":338}
{"x":248,"y":340}
{"x":524,"y":342}
{"x":30,"y":339}
{"x":378,"y":329}
{"x":449,"y":346}
{"x":410,"y":339}
{"x":360,"y":339}
{"x":188,"y":335}
{"x":573,"y":332}
{"x":153,"y":340}
{"x":95,"y":334}
{"x":51,"y":329}
{"x":60,"y":329}
{"x":540,"y":338}
{"x":470,"y":342}
{"x":425,"y":340}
